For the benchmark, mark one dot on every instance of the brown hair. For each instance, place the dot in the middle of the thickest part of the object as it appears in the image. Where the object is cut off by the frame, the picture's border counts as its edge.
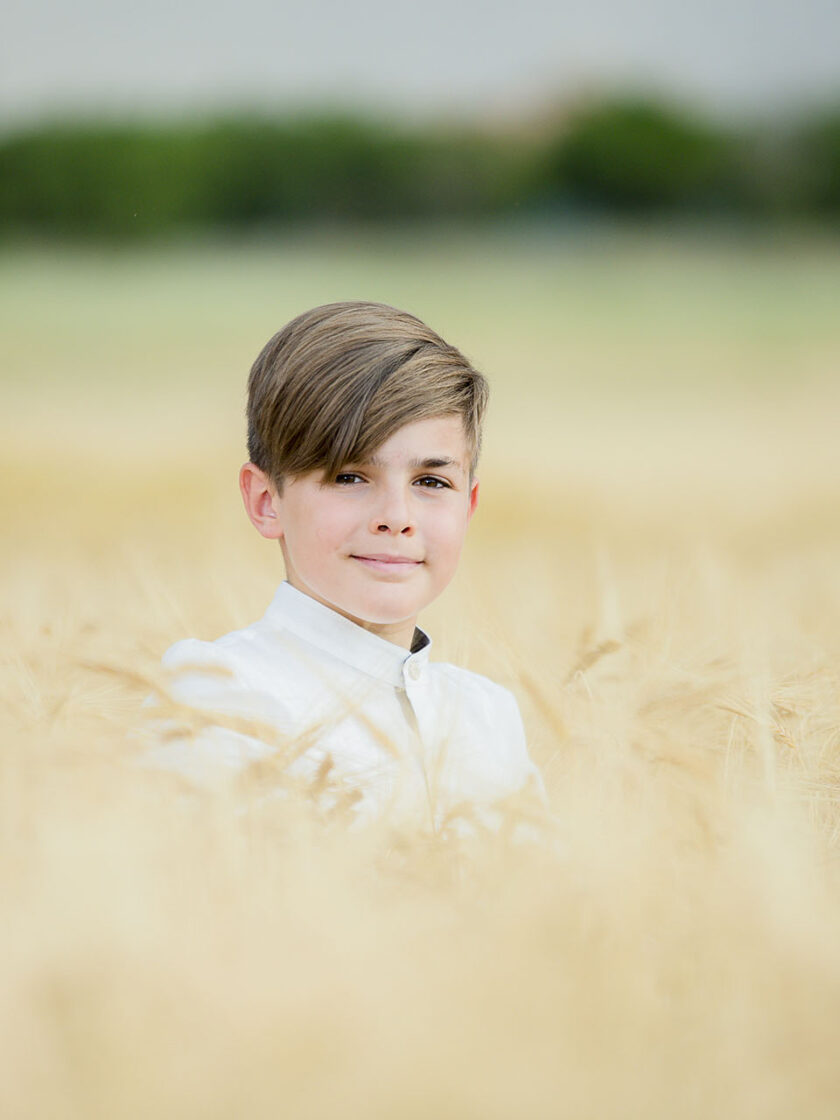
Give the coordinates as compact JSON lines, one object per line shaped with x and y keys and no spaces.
{"x":337,"y":381}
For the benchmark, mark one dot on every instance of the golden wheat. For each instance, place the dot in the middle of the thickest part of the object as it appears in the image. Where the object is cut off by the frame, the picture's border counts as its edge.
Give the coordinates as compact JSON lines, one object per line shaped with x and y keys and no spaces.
{"x":653,"y":569}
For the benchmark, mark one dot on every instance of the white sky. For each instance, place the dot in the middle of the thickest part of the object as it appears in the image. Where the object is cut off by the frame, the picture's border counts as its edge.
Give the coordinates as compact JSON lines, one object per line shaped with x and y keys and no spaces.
{"x":464,"y":57}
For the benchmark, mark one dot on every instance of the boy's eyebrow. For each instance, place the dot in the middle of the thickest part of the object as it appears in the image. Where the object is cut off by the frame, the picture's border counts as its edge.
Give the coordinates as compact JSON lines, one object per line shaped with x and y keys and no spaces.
{"x":430,"y":464}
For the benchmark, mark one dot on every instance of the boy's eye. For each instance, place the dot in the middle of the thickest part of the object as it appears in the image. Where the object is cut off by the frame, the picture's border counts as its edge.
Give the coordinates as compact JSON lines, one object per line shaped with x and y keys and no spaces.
{"x":427,"y":482}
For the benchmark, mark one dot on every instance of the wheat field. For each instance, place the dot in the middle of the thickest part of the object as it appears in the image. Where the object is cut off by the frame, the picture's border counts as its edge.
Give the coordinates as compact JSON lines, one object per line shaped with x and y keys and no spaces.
{"x":653,"y":569}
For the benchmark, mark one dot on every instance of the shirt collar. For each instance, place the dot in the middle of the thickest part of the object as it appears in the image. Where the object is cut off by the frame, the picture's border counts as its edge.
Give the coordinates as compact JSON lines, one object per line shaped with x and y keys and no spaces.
{"x":332,"y":633}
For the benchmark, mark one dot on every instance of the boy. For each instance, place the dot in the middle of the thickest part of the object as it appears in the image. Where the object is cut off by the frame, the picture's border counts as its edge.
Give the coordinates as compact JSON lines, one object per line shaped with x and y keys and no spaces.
{"x":364,"y":429}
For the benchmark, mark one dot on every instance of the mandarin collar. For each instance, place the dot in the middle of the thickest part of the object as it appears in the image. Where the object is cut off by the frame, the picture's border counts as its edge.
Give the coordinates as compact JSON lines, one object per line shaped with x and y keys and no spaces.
{"x":336,"y":635}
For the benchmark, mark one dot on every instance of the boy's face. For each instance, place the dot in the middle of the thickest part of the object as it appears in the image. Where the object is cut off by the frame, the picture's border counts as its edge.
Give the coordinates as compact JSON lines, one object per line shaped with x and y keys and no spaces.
{"x":382,"y":539}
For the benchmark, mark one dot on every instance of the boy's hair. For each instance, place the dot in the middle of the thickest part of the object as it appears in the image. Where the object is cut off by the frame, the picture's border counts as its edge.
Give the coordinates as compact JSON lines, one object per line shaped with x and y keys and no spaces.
{"x":337,"y":381}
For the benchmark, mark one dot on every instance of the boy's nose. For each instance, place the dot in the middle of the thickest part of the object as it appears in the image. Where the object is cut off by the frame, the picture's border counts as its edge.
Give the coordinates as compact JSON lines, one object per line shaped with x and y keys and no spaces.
{"x":393,"y":515}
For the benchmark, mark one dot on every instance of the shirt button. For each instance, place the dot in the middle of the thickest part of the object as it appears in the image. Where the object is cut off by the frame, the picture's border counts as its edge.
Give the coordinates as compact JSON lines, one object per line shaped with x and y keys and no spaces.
{"x":413,"y":670}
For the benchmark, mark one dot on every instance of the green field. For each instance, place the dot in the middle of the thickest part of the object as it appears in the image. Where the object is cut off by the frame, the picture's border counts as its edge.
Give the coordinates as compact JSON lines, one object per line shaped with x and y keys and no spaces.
{"x":653,"y":569}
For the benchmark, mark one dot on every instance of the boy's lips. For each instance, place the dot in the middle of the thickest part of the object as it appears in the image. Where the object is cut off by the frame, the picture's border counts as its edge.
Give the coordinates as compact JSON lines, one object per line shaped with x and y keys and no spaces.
{"x":385,"y":559}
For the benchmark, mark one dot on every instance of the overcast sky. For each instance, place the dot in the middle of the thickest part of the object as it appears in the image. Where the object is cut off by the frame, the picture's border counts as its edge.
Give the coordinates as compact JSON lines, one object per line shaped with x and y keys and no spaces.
{"x":464,"y":57}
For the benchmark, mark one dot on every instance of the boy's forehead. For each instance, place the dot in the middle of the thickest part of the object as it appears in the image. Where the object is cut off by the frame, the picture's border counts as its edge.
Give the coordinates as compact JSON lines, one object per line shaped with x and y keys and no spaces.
{"x":440,"y":441}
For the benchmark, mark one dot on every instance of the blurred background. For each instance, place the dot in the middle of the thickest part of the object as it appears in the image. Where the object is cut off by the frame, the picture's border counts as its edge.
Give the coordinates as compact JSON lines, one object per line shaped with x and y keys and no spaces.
{"x":628,"y":216}
{"x":132,"y":123}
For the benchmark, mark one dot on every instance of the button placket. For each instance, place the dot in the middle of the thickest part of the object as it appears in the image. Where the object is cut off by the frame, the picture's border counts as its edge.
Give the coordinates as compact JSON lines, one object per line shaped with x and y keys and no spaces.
{"x":415,"y":681}
{"x":415,"y":676}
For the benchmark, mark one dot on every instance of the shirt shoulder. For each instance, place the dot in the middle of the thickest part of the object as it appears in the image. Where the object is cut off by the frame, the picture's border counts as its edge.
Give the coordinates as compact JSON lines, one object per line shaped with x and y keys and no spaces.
{"x":222,"y":675}
{"x":231,"y":650}
{"x":215,"y":678}
{"x":494,"y":708}
{"x":197,"y":669}
{"x":474,"y":686}
{"x":240,"y":653}
{"x":487,"y":706}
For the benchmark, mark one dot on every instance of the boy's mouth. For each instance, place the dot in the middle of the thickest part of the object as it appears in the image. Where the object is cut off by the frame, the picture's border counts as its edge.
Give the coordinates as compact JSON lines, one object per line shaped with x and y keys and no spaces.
{"x":387,"y":560}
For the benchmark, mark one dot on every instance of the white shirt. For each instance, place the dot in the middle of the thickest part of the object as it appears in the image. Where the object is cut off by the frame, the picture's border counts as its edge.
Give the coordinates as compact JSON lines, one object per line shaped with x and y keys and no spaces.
{"x":409,"y":735}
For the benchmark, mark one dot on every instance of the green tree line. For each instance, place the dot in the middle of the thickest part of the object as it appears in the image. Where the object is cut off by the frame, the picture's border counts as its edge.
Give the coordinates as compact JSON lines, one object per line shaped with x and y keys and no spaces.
{"x":621,"y":156}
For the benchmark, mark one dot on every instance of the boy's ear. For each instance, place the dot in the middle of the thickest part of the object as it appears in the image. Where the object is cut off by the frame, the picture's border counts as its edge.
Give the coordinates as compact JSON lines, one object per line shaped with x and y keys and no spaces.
{"x":262,"y":503}
{"x":473,"y":498}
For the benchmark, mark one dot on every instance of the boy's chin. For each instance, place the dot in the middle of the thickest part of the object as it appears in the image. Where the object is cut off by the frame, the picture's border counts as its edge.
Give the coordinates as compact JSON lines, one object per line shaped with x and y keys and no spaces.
{"x":388,"y":606}
{"x":382,"y":614}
